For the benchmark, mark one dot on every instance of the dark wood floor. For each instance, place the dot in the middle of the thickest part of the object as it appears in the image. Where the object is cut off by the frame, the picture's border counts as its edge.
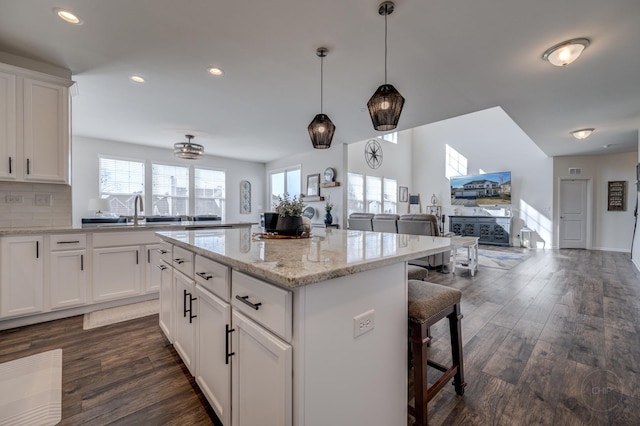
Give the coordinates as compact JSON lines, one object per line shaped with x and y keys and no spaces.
{"x":553,"y":341}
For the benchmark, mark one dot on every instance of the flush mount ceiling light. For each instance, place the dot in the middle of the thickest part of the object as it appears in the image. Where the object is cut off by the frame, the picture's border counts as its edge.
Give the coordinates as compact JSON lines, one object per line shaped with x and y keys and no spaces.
{"x":321,"y":129}
{"x":386,"y":103}
{"x":564,"y":53}
{"x":582,"y":133}
{"x":137,"y":78}
{"x":188,"y":150}
{"x":215,"y":71}
{"x":67,"y":16}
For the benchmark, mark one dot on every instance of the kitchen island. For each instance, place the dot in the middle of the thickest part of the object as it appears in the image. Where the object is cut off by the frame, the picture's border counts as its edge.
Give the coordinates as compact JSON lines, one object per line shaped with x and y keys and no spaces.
{"x":313,"y":331}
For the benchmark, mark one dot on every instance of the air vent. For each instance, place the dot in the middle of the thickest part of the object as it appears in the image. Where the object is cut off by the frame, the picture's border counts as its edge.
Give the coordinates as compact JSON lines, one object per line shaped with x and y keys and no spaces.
{"x":575,"y":171}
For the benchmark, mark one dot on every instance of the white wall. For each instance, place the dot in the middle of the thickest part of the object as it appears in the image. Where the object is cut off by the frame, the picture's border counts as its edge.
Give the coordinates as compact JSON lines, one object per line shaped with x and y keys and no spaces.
{"x":490,"y":141}
{"x":312,"y":162}
{"x":610,"y":230}
{"x":85,"y":185}
{"x":396,"y":162}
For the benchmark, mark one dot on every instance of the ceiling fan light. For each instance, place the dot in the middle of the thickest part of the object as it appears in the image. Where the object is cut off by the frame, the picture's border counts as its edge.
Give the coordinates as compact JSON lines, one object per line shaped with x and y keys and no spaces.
{"x":564,"y":53}
{"x":188,"y":150}
{"x":581,"y":134}
{"x":385,"y":107}
{"x":321,"y":130}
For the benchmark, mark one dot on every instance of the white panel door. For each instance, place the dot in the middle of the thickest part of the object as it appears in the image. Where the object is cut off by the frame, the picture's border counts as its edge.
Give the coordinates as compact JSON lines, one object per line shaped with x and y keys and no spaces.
{"x":21,"y":275}
{"x":68,"y":280}
{"x":261,"y":375}
{"x":573,"y":213}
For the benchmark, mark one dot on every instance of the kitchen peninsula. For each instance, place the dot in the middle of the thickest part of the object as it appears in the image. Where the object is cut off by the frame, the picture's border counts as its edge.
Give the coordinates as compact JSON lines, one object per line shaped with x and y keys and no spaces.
{"x":293,"y":332}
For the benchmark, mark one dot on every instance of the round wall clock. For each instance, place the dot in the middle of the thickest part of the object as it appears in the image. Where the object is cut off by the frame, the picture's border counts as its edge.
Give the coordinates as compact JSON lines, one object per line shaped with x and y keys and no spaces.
{"x":373,"y":153}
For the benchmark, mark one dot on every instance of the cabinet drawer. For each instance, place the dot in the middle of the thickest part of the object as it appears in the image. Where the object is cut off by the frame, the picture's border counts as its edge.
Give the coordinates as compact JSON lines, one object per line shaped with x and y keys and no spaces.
{"x":182,"y":260}
{"x":267,"y":304}
{"x":166,"y":252}
{"x":67,"y":241}
{"x":213,"y":276}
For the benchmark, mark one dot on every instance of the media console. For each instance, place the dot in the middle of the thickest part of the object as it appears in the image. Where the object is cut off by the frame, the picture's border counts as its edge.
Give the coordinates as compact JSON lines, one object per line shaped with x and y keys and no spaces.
{"x":489,"y":229}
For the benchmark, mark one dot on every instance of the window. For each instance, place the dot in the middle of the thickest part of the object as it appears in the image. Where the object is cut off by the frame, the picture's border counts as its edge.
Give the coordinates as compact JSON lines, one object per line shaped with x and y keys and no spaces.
{"x":455,"y":163}
{"x":209,"y":194}
{"x":390,"y":137}
{"x":120,"y":182}
{"x":285,"y":181}
{"x":170,"y":194}
{"x":371,"y":194}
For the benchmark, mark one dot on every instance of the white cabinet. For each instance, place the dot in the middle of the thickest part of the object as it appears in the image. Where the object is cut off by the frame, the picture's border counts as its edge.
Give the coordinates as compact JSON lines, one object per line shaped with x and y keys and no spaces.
{"x":153,"y":275}
{"x":167,"y":305}
{"x":67,"y":270}
{"x":21,"y":275}
{"x":117,"y":272}
{"x":213,"y":349}
{"x":186,"y":313}
{"x":261,"y":376}
{"x":34,"y":118}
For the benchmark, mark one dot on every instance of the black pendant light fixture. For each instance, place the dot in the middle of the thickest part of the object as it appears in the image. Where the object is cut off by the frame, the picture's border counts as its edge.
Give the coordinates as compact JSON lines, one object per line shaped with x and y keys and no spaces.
{"x":385,"y":106}
{"x":321,"y":129}
{"x":188,"y":150}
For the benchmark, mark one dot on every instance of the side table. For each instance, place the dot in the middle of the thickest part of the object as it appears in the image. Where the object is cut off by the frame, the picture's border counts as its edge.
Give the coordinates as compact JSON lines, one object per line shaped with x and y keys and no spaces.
{"x":470,"y":261}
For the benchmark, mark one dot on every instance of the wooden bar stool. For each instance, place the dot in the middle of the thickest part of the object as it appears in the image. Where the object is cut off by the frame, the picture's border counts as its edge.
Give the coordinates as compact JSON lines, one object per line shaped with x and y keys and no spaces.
{"x":417,"y":272}
{"x":428,"y":304}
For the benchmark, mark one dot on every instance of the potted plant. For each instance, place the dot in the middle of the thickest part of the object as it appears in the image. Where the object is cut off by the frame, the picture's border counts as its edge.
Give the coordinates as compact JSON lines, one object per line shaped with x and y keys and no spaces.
{"x":328,"y":219}
{"x":289,"y":215}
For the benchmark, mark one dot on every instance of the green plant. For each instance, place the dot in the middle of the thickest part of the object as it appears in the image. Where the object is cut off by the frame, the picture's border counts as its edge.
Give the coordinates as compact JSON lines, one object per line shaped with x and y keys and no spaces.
{"x":328,"y":206}
{"x":289,"y":207}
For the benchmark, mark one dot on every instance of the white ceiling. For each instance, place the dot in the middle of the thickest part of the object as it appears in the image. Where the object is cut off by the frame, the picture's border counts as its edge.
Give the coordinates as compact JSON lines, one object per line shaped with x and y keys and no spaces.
{"x":447,"y":57}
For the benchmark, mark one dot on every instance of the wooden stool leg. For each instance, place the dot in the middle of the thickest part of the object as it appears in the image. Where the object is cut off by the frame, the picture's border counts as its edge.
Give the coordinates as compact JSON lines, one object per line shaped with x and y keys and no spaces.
{"x":456,"y":349}
{"x":420,"y":342}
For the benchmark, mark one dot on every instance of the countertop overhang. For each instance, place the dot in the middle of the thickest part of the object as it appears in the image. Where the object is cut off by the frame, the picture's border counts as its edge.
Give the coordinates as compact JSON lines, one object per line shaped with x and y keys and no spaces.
{"x":291,"y":263}
{"x":120,"y":227}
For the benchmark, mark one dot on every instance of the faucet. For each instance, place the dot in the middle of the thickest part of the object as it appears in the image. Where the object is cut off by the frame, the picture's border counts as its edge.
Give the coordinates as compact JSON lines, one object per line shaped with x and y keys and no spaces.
{"x":135,"y":209}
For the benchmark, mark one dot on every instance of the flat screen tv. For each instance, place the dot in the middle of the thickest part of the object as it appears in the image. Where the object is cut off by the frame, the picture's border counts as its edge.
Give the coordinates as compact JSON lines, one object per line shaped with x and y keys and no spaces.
{"x":482,"y":189}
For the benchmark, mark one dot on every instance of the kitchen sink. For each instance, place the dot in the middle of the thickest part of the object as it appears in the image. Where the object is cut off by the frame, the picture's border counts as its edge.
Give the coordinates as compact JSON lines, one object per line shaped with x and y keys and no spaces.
{"x":104,"y":220}
{"x":154,"y":219}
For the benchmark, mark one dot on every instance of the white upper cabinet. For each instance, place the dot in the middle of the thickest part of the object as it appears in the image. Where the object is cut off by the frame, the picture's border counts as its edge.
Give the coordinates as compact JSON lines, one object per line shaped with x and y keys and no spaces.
{"x":34,"y":126}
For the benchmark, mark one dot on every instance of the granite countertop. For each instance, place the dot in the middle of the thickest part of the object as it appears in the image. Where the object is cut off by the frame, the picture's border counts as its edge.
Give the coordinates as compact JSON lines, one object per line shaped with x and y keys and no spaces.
{"x":118,"y":227}
{"x":291,"y":263}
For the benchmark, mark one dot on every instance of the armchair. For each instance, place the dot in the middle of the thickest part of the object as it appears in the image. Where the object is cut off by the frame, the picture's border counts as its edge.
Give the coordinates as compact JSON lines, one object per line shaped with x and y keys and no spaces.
{"x":361,"y":221}
{"x":424,"y":224}
{"x":385,"y":223}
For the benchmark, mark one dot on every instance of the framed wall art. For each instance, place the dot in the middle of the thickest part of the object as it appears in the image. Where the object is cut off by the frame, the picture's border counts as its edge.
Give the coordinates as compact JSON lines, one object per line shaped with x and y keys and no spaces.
{"x":616,"y":195}
{"x":403,"y":194}
{"x":313,"y":185}
{"x":245,"y":197}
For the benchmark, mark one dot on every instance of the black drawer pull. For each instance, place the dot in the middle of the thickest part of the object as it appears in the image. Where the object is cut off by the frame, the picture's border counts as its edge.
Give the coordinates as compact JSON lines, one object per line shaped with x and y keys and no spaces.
{"x":228,"y":354}
{"x":204,"y":275}
{"x":244,"y":299}
{"x":179,"y":261}
{"x":161,"y":251}
{"x":161,"y":267}
{"x":68,"y":242}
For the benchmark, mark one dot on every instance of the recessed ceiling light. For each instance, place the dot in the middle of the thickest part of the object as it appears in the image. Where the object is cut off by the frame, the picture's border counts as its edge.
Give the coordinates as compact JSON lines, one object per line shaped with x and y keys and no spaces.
{"x":564,"y":53}
{"x":582,"y":133}
{"x":215,"y":71}
{"x":607,"y":146}
{"x":68,"y":16}
{"x":137,"y":78}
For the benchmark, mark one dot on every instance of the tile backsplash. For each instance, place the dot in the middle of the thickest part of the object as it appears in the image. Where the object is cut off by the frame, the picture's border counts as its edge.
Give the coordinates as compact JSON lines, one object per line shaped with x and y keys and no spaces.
{"x":34,"y":204}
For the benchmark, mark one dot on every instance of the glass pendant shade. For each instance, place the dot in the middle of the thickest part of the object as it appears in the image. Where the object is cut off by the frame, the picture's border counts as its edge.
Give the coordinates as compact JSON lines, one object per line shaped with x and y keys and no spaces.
{"x":321,"y":131}
{"x":188,"y":150}
{"x":385,"y":107}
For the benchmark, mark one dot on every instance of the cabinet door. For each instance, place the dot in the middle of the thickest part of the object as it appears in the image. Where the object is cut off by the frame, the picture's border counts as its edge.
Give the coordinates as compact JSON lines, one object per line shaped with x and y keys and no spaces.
{"x":185,"y":324}
{"x":212,"y":346}
{"x":68,"y":278}
{"x":46,"y":132}
{"x":116,"y":272}
{"x":261,"y":376}
{"x":7,"y":126}
{"x":167,"y":303}
{"x":153,"y":274}
{"x":21,"y":275}
{"x":501,"y":232}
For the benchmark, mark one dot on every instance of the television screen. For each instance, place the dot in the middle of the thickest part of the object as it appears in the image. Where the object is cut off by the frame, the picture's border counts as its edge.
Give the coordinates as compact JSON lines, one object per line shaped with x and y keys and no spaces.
{"x":482,"y":189}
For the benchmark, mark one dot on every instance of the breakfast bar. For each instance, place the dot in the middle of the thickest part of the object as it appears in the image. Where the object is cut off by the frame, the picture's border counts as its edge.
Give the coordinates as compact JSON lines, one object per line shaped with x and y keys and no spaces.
{"x":313,"y":330}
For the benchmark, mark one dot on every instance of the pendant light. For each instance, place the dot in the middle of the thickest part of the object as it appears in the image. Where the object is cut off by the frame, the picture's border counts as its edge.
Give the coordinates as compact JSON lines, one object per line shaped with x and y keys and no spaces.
{"x":188,"y":150}
{"x":321,"y":129}
{"x":385,"y":106}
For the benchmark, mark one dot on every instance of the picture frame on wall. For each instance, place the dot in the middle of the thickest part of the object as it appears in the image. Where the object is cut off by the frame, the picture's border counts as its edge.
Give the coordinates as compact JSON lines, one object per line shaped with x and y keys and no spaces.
{"x":313,"y":185}
{"x":403,"y":194}
{"x":245,"y":197}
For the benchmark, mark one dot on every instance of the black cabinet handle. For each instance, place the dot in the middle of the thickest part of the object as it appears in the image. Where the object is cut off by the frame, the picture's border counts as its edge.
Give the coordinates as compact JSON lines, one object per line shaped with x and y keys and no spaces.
{"x":161,"y":267}
{"x":82,"y":262}
{"x":227,"y":354}
{"x":161,"y":251}
{"x":184,"y":303}
{"x":37,"y":249}
{"x":137,"y":257}
{"x":148,"y":255}
{"x":191,"y":316}
{"x":204,"y":275}
{"x":244,"y":299}
{"x":179,"y":261}
{"x":28,"y":166}
{"x":68,"y":242}
{"x":10,"y":166}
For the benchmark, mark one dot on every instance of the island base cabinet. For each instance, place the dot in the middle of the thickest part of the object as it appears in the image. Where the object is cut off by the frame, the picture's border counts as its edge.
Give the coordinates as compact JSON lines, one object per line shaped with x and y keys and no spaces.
{"x":186,"y":317}
{"x":21,"y":275}
{"x":262,"y":373}
{"x":213,"y":347}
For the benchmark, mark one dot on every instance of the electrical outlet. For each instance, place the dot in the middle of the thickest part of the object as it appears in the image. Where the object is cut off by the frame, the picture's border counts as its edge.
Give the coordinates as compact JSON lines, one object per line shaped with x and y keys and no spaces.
{"x":43,"y":200}
{"x":363,"y":323}
{"x":13,"y":199}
